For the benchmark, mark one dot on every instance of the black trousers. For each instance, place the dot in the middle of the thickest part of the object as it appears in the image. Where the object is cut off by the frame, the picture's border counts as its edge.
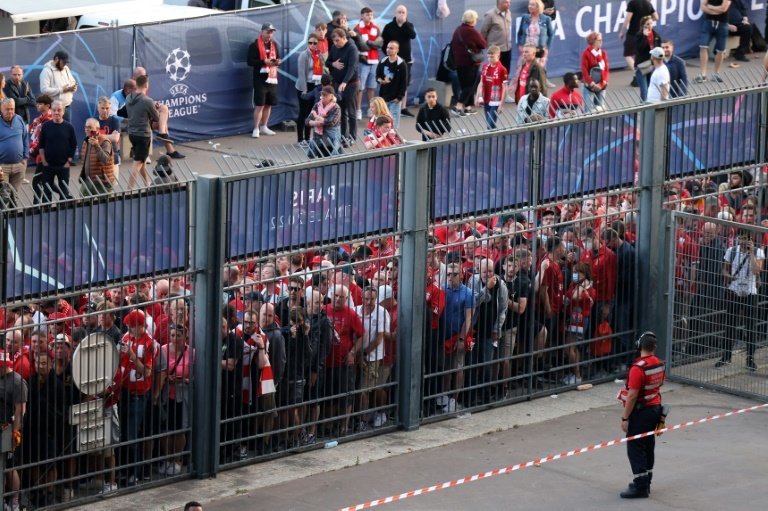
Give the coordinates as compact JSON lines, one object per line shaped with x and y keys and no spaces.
{"x":641,"y":452}
{"x":744,"y":31}
{"x":742,"y":312}
{"x":468,"y":77}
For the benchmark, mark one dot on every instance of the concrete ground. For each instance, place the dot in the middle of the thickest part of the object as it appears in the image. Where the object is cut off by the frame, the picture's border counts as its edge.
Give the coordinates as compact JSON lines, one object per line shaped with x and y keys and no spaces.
{"x":711,"y":466}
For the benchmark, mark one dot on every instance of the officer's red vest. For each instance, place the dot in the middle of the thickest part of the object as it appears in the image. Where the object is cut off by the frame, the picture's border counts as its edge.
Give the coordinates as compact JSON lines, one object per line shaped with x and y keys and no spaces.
{"x":654,"y":374}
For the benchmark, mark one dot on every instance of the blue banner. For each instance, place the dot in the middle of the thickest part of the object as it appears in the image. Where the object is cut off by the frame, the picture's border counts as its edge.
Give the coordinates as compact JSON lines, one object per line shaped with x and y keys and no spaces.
{"x":310,"y":206}
{"x":594,"y":155}
{"x":87,"y":244}
{"x":482,"y":175}
{"x":713,"y":134}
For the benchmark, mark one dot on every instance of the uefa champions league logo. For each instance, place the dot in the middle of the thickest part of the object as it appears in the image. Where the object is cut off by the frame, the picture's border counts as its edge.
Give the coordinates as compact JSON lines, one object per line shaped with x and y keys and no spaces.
{"x":177,"y":64}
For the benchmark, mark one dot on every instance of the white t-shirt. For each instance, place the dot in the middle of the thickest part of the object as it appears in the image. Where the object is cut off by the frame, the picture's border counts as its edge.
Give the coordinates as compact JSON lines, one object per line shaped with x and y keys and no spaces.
{"x":373,"y":324}
{"x":659,"y":77}
{"x":743,"y":281}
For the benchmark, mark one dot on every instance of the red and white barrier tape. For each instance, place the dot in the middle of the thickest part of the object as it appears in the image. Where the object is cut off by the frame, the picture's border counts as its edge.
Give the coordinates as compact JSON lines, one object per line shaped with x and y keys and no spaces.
{"x":540,"y":461}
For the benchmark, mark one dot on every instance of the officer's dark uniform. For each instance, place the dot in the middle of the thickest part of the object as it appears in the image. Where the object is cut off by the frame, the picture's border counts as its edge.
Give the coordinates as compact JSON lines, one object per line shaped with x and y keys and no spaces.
{"x":646,"y":375}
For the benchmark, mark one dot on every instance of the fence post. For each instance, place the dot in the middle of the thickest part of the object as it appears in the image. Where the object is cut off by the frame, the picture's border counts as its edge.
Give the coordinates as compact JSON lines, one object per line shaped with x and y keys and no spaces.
{"x":653,"y":298}
{"x":416,"y":166}
{"x":208,"y":252}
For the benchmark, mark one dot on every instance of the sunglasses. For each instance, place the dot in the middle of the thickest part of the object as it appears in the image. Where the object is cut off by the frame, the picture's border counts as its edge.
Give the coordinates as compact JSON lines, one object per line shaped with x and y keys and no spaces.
{"x":312,"y":43}
{"x":294,"y":289}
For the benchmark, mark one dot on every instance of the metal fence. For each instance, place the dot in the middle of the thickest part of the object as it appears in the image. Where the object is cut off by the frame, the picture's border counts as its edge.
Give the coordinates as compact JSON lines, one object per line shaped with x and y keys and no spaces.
{"x":330,"y":299}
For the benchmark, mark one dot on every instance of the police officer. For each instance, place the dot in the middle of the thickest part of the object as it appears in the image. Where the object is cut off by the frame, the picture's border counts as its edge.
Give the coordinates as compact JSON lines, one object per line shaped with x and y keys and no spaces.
{"x":642,"y":413}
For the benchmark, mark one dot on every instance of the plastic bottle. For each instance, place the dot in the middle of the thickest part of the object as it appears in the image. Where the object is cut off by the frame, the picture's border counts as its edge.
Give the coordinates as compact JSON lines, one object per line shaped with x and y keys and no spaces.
{"x":331,"y":444}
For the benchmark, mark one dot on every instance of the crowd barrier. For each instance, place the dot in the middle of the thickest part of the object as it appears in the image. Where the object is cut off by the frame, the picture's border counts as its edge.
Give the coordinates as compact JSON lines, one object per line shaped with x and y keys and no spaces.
{"x":485,"y":268}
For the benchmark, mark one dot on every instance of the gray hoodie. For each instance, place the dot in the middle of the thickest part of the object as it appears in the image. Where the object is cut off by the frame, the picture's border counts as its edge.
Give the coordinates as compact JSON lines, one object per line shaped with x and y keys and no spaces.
{"x":141,"y":114}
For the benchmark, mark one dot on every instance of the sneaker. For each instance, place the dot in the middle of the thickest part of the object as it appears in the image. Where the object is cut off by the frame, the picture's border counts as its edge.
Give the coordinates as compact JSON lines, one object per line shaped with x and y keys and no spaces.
{"x":311,"y":439}
{"x":67,"y":494}
{"x":406,"y":113}
{"x":716,"y":77}
{"x":359,"y":115}
{"x":243,"y":452}
{"x":700,"y":79}
{"x":108,"y":488}
{"x":162,"y":468}
{"x":255,"y":133}
{"x":633,"y":83}
{"x":176,"y":155}
{"x":131,"y":481}
{"x":576,"y":380}
{"x":442,"y":401}
{"x":741,"y":57}
{"x":568,"y":380}
{"x":451,"y":406}
{"x":148,"y":161}
{"x":267,"y":131}
{"x":174,"y":469}
{"x":470,"y":111}
{"x":457,"y":111}
{"x":362,"y":426}
{"x":93,"y":484}
{"x":722,"y":362}
{"x":379,"y":420}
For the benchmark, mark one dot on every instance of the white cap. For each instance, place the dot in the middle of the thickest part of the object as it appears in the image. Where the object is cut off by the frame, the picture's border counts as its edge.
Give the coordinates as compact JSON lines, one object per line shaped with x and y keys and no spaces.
{"x":657,"y":52}
{"x":385,"y":292}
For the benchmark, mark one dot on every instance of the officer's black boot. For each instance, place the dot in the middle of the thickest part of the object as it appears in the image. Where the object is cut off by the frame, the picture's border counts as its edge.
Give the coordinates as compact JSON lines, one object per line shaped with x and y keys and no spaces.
{"x":638,"y":489}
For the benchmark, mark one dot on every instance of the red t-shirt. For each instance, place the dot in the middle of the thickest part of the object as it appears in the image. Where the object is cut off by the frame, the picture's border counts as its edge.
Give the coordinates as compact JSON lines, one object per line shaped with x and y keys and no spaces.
{"x":435,"y":304}
{"x":492,"y":79}
{"x":347,"y":325}
{"x":687,"y":255}
{"x":636,"y":380}
{"x":22,"y":363}
{"x":142,"y":347}
{"x":565,"y":99}
{"x":579,"y":308}
{"x":552,"y":279}
{"x":604,"y":268}
{"x":522,"y":82}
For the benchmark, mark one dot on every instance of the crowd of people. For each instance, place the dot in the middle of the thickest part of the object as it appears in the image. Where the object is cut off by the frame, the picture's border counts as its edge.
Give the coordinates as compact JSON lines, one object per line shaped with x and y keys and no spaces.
{"x":49,"y":141}
{"x":309,"y":339}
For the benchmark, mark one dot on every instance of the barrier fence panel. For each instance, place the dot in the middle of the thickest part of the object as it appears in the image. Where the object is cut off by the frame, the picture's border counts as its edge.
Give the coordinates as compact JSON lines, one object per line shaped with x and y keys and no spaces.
{"x":719,"y":322}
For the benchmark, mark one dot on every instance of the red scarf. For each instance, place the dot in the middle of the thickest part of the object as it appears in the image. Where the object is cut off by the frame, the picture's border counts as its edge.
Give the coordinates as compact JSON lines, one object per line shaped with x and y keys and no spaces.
{"x":369,"y":32}
{"x":271,"y":71}
{"x":317,"y":66}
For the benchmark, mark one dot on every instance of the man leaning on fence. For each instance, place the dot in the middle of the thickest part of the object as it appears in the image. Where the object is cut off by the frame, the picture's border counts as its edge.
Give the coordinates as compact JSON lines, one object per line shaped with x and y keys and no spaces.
{"x":743,"y":263}
{"x":14,"y":151}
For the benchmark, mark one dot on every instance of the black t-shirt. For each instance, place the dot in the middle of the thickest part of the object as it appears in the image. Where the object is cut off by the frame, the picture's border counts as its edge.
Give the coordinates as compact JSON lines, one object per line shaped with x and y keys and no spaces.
{"x":519,"y":287}
{"x":639,"y":9}
{"x":13,"y":389}
{"x":232,"y":381}
{"x":717,"y":17}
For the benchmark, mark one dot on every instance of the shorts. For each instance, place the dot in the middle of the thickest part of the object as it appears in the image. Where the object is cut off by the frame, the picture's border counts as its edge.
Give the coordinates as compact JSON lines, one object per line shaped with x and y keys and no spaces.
{"x":368,"y":76}
{"x":507,"y":343}
{"x":176,"y":415}
{"x":114,"y":434}
{"x":630,"y":46}
{"x":264,"y":94}
{"x":716,"y":29}
{"x":371,"y":373}
{"x":314,"y":392}
{"x":140,"y":147}
{"x":339,"y":383}
{"x":290,"y":392}
{"x":155,"y":418}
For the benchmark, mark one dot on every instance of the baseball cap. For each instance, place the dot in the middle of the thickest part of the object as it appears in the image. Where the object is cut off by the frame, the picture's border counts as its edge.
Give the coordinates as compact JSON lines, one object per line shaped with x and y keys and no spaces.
{"x":61,"y":55}
{"x":385,"y":292}
{"x":133,"y":319}
{"x":63,"y":338}
{"x":657,"y":52}
{"x":92,"y":307}
{"x":268,"y":26}
{"x":316,"y":261}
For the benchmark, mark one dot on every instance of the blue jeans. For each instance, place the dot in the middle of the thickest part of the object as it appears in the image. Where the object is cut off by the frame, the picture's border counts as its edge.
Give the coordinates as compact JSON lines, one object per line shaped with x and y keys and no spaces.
{"x":642,"y":83}
{"x":491,"y":116}
{"x":394,"y":109}
{"x":132,"y":409}
{"x":593,"y":100}
{"x":327,"y":144}
{"x":455,"y":87}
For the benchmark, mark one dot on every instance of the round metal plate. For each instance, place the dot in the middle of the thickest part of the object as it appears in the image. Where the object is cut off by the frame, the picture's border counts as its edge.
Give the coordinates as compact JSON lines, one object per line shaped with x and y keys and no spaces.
{"x":94,"y":364}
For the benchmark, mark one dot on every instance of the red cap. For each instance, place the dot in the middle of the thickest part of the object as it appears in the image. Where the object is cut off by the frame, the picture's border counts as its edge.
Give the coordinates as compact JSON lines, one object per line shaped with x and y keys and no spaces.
{"x":134,"y":318}
{"x":316,"y":261}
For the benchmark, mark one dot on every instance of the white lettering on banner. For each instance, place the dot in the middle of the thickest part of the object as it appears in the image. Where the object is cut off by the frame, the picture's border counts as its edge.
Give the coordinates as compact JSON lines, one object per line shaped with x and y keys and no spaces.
{"x":304,"y":217}
{"x":757,"y":5}
{"x":313,"y":196}
{"x":178,"y":65}
{"x":608,"y":17}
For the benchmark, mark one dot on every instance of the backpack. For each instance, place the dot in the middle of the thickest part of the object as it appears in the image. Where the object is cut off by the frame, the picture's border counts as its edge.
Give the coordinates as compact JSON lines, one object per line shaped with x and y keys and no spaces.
{"x":446,"y":57}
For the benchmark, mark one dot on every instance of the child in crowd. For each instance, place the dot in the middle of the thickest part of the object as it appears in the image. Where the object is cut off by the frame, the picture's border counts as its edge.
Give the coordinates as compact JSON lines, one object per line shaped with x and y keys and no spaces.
{"x":493,"y":86}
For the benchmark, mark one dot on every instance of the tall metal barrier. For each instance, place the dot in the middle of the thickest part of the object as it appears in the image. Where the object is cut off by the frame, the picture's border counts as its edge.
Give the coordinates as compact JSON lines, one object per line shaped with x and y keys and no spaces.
{"x":215,"y":321}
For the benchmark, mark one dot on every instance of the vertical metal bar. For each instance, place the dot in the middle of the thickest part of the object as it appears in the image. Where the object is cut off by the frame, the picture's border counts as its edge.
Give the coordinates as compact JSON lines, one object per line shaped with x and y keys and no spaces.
{"x":414,"y":222}
{"x":651,"y":236}
{"x":209,"y":257}
{"x":762,"y":140}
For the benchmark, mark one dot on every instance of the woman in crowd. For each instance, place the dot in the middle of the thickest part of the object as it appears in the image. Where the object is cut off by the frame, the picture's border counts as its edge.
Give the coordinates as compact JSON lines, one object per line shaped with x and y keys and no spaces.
{"x":536,"y":28}
{"x":594,"y":71}
{"x":180,"y":359}
{"x":579,"y":299}
{"x":325,"y":118}
{"x":467,"y":45}
{"x":378,"y":108}
{"x":310,"y":71}
{"x":645,"y":40}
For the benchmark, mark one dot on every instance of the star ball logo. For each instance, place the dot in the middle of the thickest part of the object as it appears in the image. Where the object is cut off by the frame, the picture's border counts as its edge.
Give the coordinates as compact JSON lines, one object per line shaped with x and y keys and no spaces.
{"x":178,"y":65}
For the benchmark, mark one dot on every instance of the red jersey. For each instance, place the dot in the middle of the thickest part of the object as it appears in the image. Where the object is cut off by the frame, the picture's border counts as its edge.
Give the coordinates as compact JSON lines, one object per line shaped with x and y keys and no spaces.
{"x":369,"y":32}
{"x":347,"y":325}
{"x":134,"y":381}
{"x":492,"y":79}
{"x":435,"y":304}
{"x":579,"y":309}
{"x":687,"y":254}
{"x":564,"y":99}
{"x":22,"y":363}
{"x":552,"y":280}
{"x":604,"y":266}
